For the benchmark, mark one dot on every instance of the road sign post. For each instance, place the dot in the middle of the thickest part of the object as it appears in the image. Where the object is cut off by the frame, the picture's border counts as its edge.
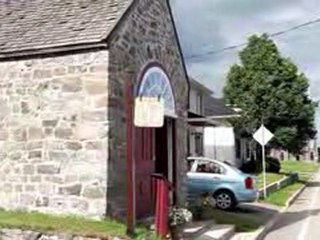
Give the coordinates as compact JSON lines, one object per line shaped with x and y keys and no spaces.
{"x":264,"y":172}
{"x":263,"y":136}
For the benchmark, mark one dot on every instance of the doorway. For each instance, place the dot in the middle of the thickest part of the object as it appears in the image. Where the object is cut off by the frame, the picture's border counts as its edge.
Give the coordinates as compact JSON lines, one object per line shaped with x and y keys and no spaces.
{"x":155,"y":153}
{"x":165,"y":152}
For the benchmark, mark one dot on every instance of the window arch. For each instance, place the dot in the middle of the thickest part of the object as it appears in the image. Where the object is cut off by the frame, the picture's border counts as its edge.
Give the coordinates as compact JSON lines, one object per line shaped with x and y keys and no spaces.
{"x":155,"y":83}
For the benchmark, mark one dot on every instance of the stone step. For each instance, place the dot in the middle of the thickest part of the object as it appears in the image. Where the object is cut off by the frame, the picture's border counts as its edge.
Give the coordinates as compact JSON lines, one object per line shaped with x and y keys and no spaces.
{"x":217,"y":232}
{"x":194,"y":229}
{"x":244,"y":236}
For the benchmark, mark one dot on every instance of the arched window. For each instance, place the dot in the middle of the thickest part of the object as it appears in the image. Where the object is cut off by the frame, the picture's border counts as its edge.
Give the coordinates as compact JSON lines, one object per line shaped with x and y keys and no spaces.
{"x":155,"y":83}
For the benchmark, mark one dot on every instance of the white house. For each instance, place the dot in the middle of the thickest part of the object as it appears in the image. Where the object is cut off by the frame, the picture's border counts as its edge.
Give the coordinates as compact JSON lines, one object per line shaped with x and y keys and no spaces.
{"x":196,"y":117}
{"x":210,"y":134}
{"x":220,"y":141}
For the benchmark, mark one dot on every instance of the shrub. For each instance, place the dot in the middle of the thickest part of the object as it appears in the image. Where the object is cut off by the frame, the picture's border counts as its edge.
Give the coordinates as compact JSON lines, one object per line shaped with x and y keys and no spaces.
{"x":248,"y":167}
{"x":273,"y":165}
{"x":251,"y":166}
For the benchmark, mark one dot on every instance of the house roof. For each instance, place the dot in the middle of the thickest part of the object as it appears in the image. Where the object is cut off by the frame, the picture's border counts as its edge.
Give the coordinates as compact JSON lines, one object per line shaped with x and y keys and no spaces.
{"x":27,"y":25}
{"x":196,"y":84}
{"x":216,"y":107}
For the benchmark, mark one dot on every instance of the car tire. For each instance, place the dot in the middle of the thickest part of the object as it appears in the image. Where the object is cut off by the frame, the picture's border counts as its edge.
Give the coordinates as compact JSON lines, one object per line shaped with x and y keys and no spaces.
{"x":225,"y":200}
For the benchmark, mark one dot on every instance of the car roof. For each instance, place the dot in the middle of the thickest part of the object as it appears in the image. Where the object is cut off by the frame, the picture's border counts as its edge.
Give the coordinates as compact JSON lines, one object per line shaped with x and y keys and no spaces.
{"x":202,"y":158}
{"x":209,"y":160}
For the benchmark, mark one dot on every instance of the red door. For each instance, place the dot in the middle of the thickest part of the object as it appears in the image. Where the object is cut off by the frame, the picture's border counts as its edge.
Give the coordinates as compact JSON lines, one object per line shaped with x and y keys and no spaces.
{"x":144,"y":167}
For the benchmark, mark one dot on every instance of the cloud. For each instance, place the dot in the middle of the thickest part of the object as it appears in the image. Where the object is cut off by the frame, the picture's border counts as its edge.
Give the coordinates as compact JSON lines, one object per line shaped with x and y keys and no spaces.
{"x":207,"y":25}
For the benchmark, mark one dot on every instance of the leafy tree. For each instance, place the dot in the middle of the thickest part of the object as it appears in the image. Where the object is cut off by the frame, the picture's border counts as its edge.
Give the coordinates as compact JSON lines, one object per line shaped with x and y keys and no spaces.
{"x":269,"y":88}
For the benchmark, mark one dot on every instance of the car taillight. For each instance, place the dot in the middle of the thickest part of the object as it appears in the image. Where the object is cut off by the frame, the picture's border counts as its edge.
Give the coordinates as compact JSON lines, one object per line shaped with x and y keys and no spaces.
{"x":248,"y":183}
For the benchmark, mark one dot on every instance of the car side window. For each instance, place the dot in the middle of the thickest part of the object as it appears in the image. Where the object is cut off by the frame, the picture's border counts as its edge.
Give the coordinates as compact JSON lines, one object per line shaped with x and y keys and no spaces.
{"x":190,"y":164}
{"x":210,"y":167}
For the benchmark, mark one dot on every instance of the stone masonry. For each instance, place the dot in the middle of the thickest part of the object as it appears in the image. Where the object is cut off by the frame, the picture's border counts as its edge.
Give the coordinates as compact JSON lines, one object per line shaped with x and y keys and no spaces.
{"x":17,"y":234}
{"x":145,"y":35}
{"x":53,"y":134}
{"x":62,"y":118}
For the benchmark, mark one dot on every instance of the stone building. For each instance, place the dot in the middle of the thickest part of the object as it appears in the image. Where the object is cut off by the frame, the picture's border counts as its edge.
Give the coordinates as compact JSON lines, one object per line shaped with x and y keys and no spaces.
{"x":64,"y":65}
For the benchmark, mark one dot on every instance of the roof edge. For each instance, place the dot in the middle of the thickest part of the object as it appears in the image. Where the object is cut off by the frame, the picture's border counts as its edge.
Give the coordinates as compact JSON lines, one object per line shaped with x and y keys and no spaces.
{"x":199,"y":85}
{"x":118,"y":21}
{"x":52,"y":50}
{"x":102,"y":43}
{"x":175,"y":31}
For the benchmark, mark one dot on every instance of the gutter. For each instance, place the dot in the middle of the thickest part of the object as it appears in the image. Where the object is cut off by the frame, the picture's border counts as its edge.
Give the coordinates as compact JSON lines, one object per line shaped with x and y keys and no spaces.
{"x":98,"y":45}
{"x":225,"y":116}
{"x":5,"y":56}
{"x":203,"y":120}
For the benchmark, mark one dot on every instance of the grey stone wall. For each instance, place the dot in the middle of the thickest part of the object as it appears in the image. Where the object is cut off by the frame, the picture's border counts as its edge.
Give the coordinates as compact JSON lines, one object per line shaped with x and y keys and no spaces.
{"x":53,"y":134}
{"x":145,"y":35}
{"x":15,"y":234}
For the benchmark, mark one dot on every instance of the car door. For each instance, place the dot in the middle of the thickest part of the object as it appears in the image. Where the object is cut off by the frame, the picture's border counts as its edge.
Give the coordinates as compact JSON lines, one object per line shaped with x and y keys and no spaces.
{"x":191,"y":177}
{"x":201,"y":180}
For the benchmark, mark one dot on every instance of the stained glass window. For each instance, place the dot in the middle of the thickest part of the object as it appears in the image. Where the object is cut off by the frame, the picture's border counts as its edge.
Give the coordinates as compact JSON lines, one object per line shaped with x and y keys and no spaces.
{"x":155,"y":83}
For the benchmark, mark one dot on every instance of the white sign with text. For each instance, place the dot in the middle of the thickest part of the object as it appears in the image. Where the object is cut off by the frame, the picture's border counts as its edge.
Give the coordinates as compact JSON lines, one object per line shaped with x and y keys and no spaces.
{"x":148,"y":112}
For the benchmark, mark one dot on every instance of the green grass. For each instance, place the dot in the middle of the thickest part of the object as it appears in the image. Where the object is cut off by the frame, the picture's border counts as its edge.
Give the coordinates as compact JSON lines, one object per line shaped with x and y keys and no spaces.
{"x":242,"y":223}
{"x":65,"y":224}
{"x":305,"y":171}
{"x":280,"y":197}
{"x":270,"y":177}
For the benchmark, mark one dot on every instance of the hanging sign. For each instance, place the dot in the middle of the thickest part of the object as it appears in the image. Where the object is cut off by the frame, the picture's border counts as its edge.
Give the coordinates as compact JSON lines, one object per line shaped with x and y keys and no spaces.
{"x":148,"y":112}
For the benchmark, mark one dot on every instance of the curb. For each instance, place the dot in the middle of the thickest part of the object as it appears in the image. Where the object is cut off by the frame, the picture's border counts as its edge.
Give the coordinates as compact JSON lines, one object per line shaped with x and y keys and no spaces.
{"x":295,"y":196}
{"x":298,"y":192}
{"x":262,"y":231}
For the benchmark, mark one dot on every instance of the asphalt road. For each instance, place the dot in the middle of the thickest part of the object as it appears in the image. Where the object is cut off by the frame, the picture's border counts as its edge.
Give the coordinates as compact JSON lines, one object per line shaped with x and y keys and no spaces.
{"x":302,"y":220}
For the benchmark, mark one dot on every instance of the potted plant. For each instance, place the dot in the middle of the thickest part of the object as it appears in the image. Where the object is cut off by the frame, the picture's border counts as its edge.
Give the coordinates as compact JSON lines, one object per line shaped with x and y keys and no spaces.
{"x":198,"y":204}
{"x":178,"y":217}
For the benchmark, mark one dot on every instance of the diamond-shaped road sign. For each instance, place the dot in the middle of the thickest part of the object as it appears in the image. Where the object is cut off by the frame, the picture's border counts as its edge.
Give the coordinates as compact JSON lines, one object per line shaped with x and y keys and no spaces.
{"x":263,"y":135}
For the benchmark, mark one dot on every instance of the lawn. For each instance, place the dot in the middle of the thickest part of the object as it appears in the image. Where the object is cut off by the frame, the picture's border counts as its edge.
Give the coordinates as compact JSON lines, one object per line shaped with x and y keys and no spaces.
{"x":280,"y":197}
{"x":74,"y":225}
{"x":242,"y":223}
{"x":270,"y":177}
{"x":305,"y":171}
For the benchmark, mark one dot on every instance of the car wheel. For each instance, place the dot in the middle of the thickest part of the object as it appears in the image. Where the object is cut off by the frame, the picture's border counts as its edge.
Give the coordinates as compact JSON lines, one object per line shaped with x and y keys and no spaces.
{"x":225,"y":200}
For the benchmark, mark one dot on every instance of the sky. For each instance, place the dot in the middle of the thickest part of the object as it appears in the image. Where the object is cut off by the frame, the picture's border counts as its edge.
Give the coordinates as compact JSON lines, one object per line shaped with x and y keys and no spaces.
{"x":208,"y":25}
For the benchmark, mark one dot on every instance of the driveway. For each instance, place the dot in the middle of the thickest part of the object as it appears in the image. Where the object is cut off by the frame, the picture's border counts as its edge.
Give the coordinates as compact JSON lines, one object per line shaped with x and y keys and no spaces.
{"x":245,"y":218}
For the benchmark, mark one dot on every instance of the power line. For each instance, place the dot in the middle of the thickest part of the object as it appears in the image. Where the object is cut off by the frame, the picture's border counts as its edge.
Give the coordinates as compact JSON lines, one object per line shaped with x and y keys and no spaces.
{"x":275,"y":34}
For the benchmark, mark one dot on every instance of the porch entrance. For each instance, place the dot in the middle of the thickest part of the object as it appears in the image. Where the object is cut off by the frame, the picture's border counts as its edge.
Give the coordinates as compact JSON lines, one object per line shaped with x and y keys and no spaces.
{"x":155,"y":153}
{"x":164,"y":156}
{"x":154,"y":147}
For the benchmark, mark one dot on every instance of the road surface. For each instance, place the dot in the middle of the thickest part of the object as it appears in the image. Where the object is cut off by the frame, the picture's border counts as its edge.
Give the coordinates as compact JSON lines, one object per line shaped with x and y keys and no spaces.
{"x":302,"y":220}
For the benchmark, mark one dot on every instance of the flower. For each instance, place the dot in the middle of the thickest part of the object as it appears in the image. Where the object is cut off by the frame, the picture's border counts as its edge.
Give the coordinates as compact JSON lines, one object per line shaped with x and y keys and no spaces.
{"x":179,"y":216}
{"x":204,"y":200}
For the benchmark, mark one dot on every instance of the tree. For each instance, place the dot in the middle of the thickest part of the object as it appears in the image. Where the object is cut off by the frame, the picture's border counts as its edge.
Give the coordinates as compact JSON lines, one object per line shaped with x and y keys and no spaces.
{"x":270,"y":89}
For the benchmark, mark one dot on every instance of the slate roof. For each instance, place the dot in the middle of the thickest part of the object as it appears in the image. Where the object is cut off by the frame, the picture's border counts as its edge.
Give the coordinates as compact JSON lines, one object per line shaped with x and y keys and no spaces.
{"x":216,"y":107}
{"x":41,"y":24}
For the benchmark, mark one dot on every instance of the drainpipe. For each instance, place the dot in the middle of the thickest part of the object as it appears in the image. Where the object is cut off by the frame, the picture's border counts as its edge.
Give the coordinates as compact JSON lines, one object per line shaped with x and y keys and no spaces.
{"x":130,"y":218}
